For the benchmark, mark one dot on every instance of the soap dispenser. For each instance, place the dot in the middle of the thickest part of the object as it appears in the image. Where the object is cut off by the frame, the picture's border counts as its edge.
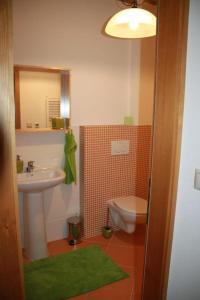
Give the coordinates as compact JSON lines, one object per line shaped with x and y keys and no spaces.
{"x":20,"y":164}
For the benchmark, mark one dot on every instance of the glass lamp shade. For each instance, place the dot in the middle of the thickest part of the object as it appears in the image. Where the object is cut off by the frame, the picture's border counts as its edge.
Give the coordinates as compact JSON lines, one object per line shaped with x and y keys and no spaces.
{"x":132,"y":23}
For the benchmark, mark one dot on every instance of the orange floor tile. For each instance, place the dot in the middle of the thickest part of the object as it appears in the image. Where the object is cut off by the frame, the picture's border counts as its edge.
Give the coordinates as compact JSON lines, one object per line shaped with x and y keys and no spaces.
{"x":127,"y":250}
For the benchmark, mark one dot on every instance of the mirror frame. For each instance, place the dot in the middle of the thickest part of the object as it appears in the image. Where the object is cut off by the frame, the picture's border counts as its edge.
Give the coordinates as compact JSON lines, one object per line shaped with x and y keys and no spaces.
{"x":65,"y":91}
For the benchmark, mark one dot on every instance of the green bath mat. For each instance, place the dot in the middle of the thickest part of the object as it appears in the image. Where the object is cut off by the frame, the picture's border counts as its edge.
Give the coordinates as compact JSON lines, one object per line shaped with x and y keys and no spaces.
{"x":71,"y":274}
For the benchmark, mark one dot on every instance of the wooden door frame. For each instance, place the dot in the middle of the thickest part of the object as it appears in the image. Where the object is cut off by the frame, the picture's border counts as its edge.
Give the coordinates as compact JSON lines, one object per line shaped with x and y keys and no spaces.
{"x":11,"y":276}
{"x":169,"y":95}
{"x":167,"y":129}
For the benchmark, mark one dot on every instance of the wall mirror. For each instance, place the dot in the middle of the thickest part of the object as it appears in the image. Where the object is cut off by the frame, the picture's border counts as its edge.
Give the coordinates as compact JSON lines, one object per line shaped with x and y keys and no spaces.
{"x":40,"y":95}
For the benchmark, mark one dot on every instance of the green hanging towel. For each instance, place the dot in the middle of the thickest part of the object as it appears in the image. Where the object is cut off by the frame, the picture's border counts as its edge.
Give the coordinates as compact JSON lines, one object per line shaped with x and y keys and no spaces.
{"x":70,"y":162}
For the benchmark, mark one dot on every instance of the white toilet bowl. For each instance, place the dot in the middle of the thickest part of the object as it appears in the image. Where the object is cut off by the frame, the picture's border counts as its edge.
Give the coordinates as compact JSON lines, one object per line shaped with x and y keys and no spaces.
{"x":125,"y":212}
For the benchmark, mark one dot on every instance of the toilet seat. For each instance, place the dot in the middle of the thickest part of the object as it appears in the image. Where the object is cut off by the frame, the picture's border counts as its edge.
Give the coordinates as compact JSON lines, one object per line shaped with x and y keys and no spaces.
{"x":131,"y":204}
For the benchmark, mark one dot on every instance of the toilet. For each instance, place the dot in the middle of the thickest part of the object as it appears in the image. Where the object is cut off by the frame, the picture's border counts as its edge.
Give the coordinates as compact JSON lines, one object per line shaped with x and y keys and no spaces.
{"x":128,"y":211}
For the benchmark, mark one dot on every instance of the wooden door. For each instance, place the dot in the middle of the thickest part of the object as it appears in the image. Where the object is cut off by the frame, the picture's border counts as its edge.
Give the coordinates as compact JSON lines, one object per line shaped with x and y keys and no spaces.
{"x":11,"y":280}
{"x":168,"y":112}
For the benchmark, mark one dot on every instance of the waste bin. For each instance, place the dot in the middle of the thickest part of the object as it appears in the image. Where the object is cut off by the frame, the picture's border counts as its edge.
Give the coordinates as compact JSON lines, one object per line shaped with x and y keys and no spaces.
{"x":74,"y":227}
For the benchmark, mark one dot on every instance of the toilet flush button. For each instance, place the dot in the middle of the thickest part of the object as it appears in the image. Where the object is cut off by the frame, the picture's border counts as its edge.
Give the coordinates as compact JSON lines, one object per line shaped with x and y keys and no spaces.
{"x":197,"y":179}
{"x":120,"y":147}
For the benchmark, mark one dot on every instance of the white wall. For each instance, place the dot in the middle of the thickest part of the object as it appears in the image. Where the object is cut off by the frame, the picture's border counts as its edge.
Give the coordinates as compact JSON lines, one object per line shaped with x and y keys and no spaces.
{"x":61,"y":202}
{"x":184,"y":279}
{"x":134,"y":80}
{"x":67,"y":34}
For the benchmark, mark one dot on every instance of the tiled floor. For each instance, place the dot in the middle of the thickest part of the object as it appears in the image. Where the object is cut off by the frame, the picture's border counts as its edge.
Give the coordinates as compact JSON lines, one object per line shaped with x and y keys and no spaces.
{"x":127,"y":250}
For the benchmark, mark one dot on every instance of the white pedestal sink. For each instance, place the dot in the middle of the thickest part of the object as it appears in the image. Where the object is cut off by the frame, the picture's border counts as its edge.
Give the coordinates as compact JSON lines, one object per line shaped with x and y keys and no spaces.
{"x":33,"y":185}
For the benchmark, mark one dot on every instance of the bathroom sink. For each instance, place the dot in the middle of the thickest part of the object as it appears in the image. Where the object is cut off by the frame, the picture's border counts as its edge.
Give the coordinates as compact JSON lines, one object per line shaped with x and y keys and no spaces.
{"x":33,"y":185}
{"x":40,"y":179}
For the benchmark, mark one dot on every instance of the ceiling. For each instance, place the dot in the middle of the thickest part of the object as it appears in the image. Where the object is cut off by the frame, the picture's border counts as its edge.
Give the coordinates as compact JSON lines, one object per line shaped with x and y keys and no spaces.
{"x":127,"y":2}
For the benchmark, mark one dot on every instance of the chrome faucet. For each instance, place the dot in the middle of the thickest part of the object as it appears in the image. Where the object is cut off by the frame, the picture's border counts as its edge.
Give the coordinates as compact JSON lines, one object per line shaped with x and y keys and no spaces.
{"x":30,"y":166}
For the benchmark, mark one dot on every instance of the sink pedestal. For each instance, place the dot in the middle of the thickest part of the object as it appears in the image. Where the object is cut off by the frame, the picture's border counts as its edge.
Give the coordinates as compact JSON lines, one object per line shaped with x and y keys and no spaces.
{"x":35,"y":242}
{"x":33,"y":184}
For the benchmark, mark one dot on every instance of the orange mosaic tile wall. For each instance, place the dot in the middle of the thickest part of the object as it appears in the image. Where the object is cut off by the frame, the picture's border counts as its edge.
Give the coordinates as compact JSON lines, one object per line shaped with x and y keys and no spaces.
{"x":104,"y":176}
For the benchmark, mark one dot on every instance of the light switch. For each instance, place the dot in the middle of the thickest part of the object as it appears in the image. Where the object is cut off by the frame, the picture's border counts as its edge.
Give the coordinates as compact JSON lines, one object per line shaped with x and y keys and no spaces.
{"x":120,"y":147}
{"x":197,"y":179}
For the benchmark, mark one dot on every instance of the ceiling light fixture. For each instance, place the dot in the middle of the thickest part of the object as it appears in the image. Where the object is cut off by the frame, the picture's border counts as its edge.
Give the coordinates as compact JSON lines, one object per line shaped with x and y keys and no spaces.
{"x":132,"y":22}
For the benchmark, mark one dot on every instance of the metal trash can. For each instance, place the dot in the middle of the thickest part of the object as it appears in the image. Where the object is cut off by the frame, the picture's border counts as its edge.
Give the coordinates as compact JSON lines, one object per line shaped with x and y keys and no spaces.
{"x":74,"y":226}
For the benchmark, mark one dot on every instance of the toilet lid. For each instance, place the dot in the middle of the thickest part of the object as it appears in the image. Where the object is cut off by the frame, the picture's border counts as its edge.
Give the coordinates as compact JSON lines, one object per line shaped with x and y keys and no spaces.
{"x":132,"y":204}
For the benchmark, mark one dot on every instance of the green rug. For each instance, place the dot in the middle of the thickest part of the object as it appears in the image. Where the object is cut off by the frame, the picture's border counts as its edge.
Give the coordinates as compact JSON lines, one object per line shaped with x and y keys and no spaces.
{"x":71,"y":274}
